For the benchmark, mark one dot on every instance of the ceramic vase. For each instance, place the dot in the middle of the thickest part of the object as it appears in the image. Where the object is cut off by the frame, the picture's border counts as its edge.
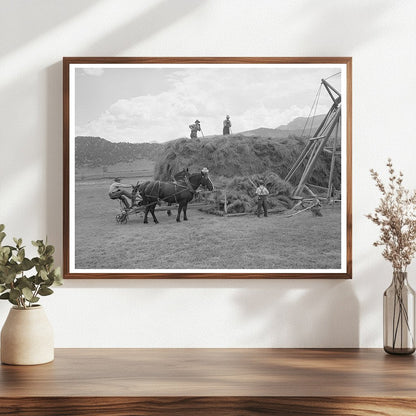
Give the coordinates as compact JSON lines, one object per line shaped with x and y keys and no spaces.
{"x":27,"y":337}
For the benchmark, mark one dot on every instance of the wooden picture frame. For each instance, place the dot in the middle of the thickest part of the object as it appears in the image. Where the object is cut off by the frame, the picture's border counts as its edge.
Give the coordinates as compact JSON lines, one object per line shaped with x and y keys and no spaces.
{"x":113,"y":106}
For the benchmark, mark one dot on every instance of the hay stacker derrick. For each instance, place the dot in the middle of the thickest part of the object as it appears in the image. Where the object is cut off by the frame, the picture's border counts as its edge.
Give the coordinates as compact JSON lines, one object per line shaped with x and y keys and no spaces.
{"x":325,"y":139}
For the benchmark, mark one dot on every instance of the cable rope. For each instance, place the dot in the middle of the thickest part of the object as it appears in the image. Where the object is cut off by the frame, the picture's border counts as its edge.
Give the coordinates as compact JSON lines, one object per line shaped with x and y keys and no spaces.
{"x":315,"y":103}
{"x":332,"y":75}
{"x":314,"y":113}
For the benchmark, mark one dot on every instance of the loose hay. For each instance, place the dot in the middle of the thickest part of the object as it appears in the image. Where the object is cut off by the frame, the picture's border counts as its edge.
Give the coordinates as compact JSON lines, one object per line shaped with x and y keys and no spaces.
{"x":237,"y":163}
{"x":236,"y":155}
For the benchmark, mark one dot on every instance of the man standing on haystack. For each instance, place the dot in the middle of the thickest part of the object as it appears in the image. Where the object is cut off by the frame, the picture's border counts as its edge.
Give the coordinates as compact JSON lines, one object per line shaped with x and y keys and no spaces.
{"x":226,"y":129}
{"x":195,"y":128}
{"x":261,"y":193}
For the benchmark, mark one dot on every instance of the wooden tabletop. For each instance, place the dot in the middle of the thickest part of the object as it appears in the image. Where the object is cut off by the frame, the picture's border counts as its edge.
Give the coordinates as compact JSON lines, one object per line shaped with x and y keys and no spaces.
{"x":265,"y":376}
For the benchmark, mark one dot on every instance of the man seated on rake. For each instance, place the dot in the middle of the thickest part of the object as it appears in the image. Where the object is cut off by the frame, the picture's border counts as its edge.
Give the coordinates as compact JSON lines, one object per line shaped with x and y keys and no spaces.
{"x":118,"y":190}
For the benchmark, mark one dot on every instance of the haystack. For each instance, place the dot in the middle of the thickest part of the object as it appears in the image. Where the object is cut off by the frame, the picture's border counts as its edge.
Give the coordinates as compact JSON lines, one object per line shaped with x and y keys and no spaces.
{"x":240,"y":193}
{"x":237,"y":163}
{"x":237,"y":155}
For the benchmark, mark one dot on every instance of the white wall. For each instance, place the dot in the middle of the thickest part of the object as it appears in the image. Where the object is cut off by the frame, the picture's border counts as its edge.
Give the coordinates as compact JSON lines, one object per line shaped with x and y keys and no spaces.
{"x":380,"y":35}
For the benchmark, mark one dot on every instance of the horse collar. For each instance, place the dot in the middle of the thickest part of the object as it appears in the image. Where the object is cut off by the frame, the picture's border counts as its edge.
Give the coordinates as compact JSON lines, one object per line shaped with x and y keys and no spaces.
{"x":189,"y":185}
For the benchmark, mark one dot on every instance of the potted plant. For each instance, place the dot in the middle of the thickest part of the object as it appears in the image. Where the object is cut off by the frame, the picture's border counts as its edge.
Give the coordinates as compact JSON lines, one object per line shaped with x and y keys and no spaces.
{"x":396,"y":217}
{"x":27,"y":336}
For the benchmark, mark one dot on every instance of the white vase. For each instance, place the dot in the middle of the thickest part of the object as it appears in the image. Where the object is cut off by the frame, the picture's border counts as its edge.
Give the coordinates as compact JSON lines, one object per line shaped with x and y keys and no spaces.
{"x":27,"y":337}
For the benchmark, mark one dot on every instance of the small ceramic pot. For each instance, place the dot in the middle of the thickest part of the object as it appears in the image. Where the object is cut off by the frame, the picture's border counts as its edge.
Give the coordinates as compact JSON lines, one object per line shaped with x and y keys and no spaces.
{"x":27,"y":337}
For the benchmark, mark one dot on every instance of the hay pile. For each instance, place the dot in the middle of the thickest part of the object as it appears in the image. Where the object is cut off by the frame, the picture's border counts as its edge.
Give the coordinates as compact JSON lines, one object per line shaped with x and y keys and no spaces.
{"x":237,"y":163}
{"x":237,"y":155}
{"x":240,"y":193}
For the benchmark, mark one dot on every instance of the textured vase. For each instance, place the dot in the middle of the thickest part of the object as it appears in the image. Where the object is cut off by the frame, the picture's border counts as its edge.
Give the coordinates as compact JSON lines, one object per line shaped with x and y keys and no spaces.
{"x":399,"y":316}
{"x":27,"y":337}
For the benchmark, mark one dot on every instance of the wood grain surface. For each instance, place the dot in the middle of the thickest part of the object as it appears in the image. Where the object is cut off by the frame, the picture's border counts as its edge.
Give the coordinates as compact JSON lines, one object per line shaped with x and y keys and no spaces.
{"x":212,"y":381}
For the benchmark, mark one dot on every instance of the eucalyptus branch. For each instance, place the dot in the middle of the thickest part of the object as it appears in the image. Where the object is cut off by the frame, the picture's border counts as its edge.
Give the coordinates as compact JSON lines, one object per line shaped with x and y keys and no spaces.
{"x":17,"y":284}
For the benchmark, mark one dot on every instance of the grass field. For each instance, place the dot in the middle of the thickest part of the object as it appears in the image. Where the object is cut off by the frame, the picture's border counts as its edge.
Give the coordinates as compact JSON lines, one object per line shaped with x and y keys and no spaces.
{"x":203,"y":242}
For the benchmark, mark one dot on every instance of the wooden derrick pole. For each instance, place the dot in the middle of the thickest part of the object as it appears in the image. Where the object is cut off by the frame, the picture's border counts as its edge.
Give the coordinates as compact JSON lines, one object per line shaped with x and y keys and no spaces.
{"x":316,"y":144}
{"x":299,"y":160}
{"x":225,"y":203}
{"x":331,"y":172}
{"x":306,"y":150}
{"x":319,"y":134}
{"x":320,"y":144}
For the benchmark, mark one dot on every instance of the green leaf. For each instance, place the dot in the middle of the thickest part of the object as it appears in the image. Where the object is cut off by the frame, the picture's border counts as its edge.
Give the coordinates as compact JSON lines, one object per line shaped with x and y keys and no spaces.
{"x":26,"y":264}
{"x":13,"y":302}
{"x":2,"y":227}
{"x":47,"y":260}
{"x":21,"y":255}
{"x":4,"y":255}
{"x":2,"y":288}
{"x":18,"y":242}
{"x":38,"y":280}
{"x":45,"y":291}
{"x":2,"y":236}
{"x":24,"y":282}
{"x":15,"y":294}
{"x":9,"y":277}
{"x":58,"y":280}
{"x":37,"y":243}
{"x":5,"y":250}
{"x":5,"y":295}
{"x":43,"y":274}
{"x":27,"y":293}
{"x":49,"y":250}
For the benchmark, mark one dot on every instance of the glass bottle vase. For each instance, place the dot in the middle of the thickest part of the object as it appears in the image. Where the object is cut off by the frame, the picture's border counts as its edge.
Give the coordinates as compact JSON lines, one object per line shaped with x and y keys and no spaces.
{"x":399,"y":316}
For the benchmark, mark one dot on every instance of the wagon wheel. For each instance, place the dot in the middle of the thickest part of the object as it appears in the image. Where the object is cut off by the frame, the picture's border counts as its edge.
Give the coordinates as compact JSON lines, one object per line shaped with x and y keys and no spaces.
{"x":121,"y":218}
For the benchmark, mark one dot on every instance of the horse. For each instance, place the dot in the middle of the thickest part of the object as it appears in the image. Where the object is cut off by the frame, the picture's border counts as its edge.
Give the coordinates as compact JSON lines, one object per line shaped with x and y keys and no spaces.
{"x":180,"y":192}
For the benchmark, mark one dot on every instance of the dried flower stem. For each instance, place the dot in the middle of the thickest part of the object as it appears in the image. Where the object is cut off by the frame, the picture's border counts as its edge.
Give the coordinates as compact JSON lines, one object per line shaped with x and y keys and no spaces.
{"x":396,"y":217}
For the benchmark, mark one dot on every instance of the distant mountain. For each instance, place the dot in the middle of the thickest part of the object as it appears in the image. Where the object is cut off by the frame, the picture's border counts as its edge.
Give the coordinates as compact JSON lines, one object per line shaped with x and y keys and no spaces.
{"x":95,"y":151}
{"x":295,"y":128}
{"x":300,"y":122}
{"x":265,"y":132}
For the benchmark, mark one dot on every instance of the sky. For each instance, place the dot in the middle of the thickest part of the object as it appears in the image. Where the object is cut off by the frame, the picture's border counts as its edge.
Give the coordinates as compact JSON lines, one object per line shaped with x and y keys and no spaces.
{"x":157,"y":104}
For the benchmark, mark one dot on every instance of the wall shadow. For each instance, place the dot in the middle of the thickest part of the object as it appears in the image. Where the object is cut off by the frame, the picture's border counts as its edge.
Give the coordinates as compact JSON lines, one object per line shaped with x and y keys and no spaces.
{"x":39,"y":17}
{"x":157,"y":18}
{"x":336,"y":18}
{"x":301,"y":313}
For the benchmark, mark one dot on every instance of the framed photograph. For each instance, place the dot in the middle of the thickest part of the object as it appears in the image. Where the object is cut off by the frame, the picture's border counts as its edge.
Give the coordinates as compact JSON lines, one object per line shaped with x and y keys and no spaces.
{"x":219,"y":168}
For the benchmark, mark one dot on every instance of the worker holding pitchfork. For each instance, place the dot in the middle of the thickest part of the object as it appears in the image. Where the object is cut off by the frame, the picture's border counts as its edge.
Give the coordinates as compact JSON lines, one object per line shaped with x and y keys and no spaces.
{"x":195,"y":128}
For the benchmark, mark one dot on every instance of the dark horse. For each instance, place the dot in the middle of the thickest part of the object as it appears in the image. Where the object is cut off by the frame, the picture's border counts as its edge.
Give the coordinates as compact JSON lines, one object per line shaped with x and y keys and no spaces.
{"x":180,"y":192}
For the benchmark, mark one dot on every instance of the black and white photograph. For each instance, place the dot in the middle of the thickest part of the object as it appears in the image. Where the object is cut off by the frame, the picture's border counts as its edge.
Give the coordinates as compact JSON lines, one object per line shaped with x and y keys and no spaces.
{"x":209,"y":168}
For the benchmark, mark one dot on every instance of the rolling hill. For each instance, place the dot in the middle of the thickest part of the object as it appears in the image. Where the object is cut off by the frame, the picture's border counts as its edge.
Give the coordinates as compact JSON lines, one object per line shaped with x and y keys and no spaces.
{"x":94,"y":152}
{"x":294,"y":128}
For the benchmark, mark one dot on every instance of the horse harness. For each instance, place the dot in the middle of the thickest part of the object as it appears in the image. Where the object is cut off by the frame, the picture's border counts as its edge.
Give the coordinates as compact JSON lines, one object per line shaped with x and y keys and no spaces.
{"x":187,"y":187}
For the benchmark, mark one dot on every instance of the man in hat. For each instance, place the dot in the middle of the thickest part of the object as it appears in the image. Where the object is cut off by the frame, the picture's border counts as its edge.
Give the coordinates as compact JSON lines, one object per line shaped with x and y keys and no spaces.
{"x":195,"y":128}
{"x":261,"y":193}
{"x":226,"y":125}
{"x":118,"y":191}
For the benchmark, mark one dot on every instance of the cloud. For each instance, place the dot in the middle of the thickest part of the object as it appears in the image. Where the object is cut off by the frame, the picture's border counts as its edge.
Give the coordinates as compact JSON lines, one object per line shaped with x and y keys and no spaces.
{"x":95,"y":72}
{"x":253,"y":97}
